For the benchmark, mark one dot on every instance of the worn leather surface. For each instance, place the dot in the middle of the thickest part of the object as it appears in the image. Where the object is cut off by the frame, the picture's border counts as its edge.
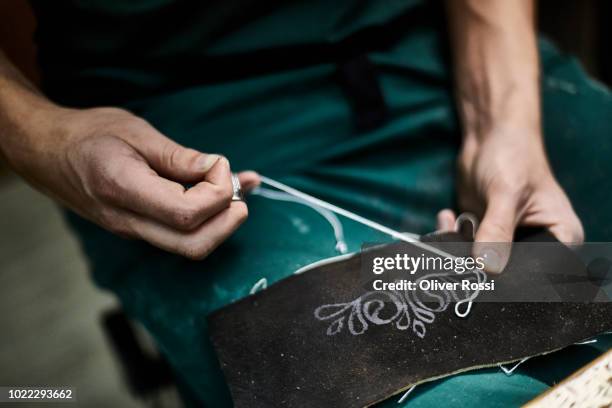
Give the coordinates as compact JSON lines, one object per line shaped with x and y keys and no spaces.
{"x":274,"y":352}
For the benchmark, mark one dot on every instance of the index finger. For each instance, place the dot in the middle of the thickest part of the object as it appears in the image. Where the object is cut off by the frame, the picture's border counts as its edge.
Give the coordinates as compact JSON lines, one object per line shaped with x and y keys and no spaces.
{"x":144,"y":192}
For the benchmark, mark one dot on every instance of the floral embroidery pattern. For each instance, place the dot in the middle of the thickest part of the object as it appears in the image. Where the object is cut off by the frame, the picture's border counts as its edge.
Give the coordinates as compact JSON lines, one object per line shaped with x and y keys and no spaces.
{"x":409,"y":309}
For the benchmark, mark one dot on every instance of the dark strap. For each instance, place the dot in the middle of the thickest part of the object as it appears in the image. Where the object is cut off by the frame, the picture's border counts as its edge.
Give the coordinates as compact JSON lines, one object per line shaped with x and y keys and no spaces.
{"x":359,"y":81}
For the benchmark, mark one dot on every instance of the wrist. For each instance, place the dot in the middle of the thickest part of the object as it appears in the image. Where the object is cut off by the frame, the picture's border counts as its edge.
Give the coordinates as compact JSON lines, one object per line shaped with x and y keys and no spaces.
{"x":30,"y":129}
{"x":515,"y":146}
{"x":511,"y":115}
{"x":521,"y":132}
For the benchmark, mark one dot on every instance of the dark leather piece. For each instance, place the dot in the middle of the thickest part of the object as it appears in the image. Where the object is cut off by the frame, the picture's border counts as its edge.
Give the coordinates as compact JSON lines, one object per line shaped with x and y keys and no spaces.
{"x":275,"y":353}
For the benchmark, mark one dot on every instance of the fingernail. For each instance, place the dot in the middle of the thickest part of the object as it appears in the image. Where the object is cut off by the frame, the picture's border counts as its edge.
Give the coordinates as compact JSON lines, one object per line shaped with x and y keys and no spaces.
{"x":491,"y":259}
{"x":206,"y":162}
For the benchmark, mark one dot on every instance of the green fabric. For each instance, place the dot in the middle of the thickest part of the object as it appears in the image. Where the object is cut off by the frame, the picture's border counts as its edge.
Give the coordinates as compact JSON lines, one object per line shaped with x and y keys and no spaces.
{"x":296,"y":126}
{"x":113,"y":28}
{"x":109,"y":51}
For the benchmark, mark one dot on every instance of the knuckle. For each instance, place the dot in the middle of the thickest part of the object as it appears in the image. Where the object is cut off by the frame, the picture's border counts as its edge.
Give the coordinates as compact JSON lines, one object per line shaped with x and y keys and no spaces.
{"x":186,"y":217}
{"x":226,"y":194}
{"x":241,"y":213}
{"x":223,"y":194}
{"x":223,"y":161}
{"x":115,"y":224}
{"x":122,"y":230}
{"x":194,"y":250}
{"x":171,"y":155}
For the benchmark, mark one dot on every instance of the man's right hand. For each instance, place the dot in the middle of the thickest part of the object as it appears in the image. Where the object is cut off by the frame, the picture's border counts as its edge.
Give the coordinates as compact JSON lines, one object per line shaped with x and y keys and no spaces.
{"x":116,"y":170}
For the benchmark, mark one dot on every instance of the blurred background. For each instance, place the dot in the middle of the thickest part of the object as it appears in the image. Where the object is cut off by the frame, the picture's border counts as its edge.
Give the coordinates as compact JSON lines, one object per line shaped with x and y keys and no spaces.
{"x":50,"y":313}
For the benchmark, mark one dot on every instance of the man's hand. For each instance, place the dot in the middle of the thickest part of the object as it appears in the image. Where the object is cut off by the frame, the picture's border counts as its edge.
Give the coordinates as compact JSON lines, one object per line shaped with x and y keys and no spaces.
{"x":116,"y":170}
{"x":504,"y":174}
{"x":506,"y":180}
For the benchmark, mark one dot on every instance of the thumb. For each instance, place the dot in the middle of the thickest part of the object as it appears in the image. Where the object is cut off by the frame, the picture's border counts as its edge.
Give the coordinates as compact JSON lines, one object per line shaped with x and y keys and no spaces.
{"x":172,"y":160}
{"x":494,"y":236}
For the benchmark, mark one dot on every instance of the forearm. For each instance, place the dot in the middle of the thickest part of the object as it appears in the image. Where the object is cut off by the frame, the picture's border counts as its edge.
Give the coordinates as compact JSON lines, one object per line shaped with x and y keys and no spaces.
{"x":27,"y":118}
{"x":496,"y":66}
{"x":503,"y":172}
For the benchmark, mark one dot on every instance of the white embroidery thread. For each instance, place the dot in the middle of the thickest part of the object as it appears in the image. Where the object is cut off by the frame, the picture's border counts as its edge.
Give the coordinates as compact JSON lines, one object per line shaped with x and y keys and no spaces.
{"x":407,"y":309}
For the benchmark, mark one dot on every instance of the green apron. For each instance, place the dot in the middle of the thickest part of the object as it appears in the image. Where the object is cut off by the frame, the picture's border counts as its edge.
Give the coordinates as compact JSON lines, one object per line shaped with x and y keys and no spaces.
{"x":280,"y":110}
